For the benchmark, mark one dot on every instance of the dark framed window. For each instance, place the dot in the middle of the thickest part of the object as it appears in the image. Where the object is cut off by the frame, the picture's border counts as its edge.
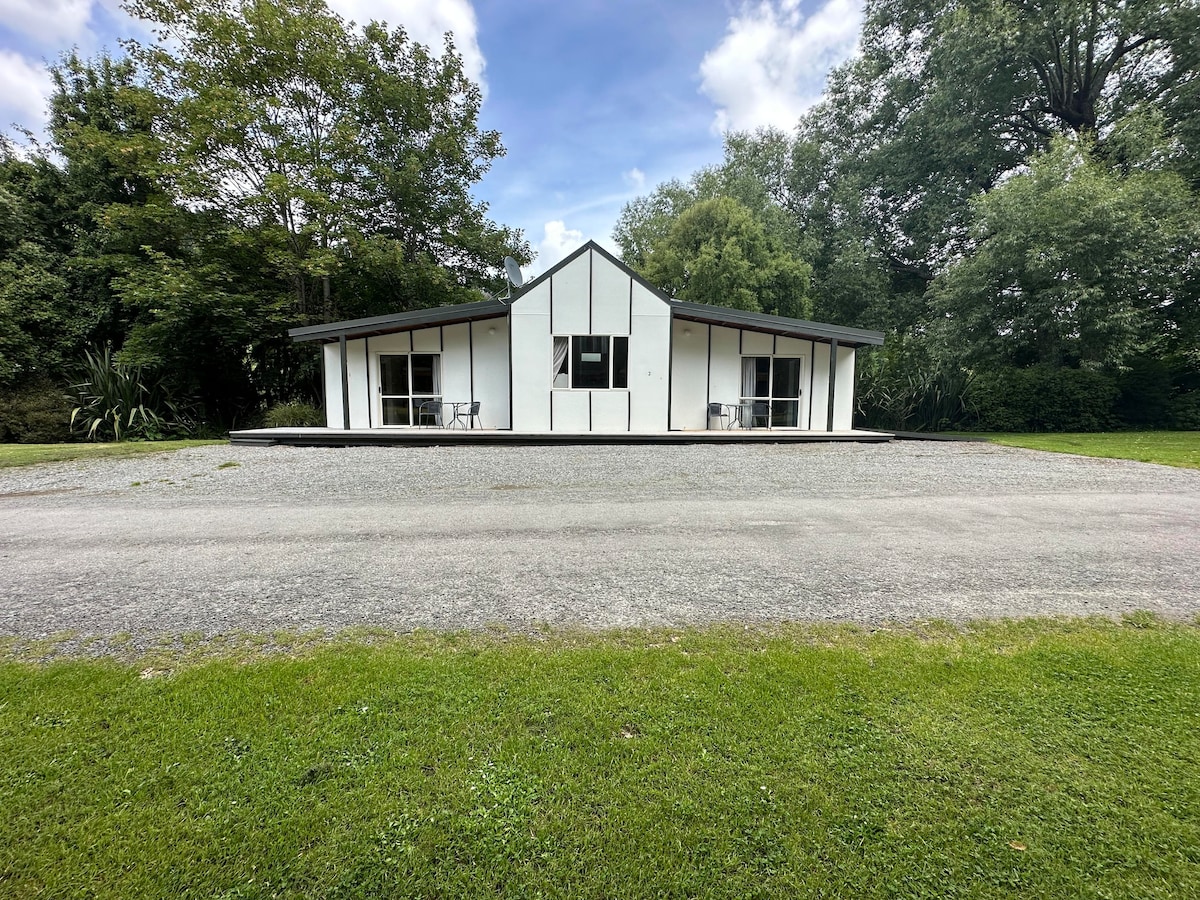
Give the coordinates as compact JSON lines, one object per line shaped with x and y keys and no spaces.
{"x":591,"y":362}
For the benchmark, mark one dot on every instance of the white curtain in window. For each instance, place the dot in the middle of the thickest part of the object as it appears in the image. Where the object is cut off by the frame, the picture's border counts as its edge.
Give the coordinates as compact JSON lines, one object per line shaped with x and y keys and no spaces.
{"x":748,"y":376}
{"x":437,"y":375}
{"x":562,"y":346}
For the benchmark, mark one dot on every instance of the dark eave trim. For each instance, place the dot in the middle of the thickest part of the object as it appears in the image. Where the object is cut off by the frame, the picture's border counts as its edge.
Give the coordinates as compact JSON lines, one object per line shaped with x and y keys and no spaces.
{"x":405,"y":321}
{"x":748,"y":321}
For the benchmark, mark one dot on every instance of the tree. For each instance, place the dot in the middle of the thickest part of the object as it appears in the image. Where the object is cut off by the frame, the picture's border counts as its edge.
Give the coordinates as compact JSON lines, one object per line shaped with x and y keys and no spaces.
{"x":326,"y":139}
{"x":945,"y":100}
{"x":1075,"y":265}
{"x":716,"y":253}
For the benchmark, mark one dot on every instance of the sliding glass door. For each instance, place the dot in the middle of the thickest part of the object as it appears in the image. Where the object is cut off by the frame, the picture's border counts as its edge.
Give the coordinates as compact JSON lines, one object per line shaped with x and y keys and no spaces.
{"x":405,"y":381}
{"x":776,"y":380}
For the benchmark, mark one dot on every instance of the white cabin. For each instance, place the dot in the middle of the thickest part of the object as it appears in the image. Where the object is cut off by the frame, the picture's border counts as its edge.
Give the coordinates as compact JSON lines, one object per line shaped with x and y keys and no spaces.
{"x":589,"y":346}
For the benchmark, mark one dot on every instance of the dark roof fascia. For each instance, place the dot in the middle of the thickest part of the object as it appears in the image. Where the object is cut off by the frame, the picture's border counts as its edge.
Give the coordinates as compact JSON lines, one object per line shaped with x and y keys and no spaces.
{"x":751,"y":321}
{"x":405,"y":321}
{"x":590,"y":245}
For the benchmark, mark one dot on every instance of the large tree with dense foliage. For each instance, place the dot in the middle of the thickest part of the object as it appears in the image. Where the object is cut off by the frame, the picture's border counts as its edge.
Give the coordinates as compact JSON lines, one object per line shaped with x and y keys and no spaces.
{"x":334,"y":143}
{"x":1074,"y":264}
{"x":262,"y":164}
{"x":717,"y":253}
{"x":925,"y":194}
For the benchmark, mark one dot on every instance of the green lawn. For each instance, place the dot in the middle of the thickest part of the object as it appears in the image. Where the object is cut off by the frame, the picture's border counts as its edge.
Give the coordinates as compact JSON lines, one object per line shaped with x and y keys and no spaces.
{"x":28,"y":454}
{"x":1170,"y":448}
{"x":1031,"y":759}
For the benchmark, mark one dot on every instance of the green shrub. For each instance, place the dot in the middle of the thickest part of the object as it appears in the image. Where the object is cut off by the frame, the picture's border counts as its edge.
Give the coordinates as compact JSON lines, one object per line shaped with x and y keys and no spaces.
{"x":121,"y":402}
{"x":1145,"y":397}
{"x":38,"y":413}
{"x":294,"y":414}
{"x":1183,"y":411}
{"x":1041,"y":398}
{"x":899,"y":387}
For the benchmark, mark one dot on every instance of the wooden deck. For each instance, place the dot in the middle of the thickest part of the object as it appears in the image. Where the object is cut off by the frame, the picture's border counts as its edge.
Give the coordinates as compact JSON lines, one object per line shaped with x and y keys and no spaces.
{"x":442,"y":437}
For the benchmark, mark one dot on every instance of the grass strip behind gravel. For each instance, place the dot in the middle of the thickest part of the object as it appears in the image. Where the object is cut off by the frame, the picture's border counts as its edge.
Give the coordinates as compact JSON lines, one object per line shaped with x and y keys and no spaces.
{"x":1030,"y":759}
{"x":1168,"y":448}
{"x":29,"y":454}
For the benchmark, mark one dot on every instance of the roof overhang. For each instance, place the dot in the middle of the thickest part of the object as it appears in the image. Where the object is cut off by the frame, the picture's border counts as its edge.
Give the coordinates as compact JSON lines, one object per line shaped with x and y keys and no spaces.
{"x":750,"y":321}
{"x":405,"y":321}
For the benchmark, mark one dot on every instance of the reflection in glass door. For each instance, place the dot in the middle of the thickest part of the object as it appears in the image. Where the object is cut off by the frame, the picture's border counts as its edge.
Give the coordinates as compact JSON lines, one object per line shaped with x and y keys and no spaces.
{"x":777,"y":381}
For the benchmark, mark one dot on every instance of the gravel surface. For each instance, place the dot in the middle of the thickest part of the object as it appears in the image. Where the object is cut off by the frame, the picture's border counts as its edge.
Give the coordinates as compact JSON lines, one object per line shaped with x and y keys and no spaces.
{"x":213,"y":540}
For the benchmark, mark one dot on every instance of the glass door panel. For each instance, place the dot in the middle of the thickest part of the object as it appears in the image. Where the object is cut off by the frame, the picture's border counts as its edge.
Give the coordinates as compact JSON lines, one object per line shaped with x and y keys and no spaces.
{"x":785,"y":413}
{"x":425,"y":375}
{"x":393,"y":389}
{"x":777,"y":381}
{"x":786,"y":382}
{"x":785,"y":392}
{"x":405,"y":381}
{"x":395,"y":411}
{"x":393,"y":376}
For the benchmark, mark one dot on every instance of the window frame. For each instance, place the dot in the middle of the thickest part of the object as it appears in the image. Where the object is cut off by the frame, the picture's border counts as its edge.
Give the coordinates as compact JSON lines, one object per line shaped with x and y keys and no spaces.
{"x":568,"y":370}
{"x":771,"y":399}
{"x":412,"y":397}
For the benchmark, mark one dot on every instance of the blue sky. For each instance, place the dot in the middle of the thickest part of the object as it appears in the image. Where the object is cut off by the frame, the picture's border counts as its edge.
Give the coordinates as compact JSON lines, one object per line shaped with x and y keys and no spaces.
{"x":596,"y":101}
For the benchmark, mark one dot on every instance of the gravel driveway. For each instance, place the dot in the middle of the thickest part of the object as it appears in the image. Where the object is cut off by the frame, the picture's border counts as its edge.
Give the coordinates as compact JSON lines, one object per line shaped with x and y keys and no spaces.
{"x":220,"y":539}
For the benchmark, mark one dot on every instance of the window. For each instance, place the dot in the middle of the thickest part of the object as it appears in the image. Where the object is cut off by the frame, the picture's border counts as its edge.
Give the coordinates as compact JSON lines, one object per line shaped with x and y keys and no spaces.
{"x":775,"y":379}
{"x":405,"y":381}
{"x":591,"y":362}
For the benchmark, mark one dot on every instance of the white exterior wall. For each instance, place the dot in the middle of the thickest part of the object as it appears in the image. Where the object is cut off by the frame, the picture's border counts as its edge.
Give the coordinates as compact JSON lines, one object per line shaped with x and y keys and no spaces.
{"x":843,"y":397}
{"x":820,"y":387}
{"x":489,"y":340}
{"x":843,"y":401}
{"x":707,"y":368}
{"x":356,"y":364}
{"x":649,"y":361}
{"x":592,"y":296}
{"x":532,"y":357}
{"x":474,"y":367}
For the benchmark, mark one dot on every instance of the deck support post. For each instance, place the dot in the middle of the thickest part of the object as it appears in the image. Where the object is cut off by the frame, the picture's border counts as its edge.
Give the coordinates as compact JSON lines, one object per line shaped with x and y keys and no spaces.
{"x":833,"y":349}
{"x":346,"y":383}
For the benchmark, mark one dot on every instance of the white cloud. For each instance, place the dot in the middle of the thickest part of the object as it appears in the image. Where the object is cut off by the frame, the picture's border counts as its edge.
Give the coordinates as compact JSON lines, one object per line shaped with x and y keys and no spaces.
{"x":635,"y":178}
{"x":47,"y":21}
{"x":557,"y":241}
{"x":24,"y":87}
{"x":425,"y":21}
{"x":771,"y":65}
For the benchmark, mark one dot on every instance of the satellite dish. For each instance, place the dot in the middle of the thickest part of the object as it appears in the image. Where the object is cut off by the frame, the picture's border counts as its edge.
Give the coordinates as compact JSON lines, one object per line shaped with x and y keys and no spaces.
{"x":513,"y":271}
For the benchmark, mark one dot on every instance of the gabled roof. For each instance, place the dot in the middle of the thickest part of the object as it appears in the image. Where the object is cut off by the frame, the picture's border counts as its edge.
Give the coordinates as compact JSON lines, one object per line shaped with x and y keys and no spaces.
{"x":721,"y":315}
{"x":680,"y":309}
{"x":566,"y":261}
{"x":405,"y":321}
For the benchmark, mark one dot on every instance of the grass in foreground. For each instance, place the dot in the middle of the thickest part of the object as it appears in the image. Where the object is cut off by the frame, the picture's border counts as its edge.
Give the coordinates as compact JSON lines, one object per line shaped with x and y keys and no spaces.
{"x":28,"y":454}
{"x":1168,"y":448}
{"x":1013,"y":759}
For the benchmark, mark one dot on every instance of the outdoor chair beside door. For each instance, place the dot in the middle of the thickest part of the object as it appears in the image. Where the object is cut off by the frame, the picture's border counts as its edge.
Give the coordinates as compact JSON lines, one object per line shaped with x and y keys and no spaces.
{"x":429,"y":411}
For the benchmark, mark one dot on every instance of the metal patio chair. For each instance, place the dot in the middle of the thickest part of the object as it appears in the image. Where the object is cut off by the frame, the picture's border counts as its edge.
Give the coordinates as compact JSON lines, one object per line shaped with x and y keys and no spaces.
{"x":464,"y":413}
{"x":717,"y":411}
{"x":760,"y":409}
{"x":429,"y":410}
